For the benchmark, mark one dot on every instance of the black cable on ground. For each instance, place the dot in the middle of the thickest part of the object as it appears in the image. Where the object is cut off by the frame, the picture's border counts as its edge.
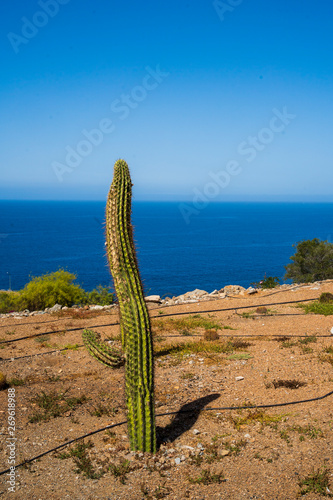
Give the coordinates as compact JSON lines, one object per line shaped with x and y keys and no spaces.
{"x":162,"y":316}
{"x":167,"y":414}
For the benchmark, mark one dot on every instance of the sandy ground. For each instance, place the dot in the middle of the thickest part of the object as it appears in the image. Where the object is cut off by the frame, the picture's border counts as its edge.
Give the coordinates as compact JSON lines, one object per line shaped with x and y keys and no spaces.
{"x":222,"y":454}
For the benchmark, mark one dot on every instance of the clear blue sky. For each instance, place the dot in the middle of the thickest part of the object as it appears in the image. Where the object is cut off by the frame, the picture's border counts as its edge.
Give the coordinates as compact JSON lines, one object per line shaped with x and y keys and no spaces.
{"x":183,"y":91}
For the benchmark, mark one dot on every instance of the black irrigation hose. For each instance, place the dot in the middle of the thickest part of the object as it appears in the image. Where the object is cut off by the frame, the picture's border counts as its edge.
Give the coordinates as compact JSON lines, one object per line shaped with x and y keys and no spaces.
{"x":54,"y":331}
{"x":162,"y":316}
{"x":167,"y":414}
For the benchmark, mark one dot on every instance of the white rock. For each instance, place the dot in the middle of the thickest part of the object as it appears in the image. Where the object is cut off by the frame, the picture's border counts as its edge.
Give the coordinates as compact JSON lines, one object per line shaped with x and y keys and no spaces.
{"x":153,"y":298}
{"x":251,"y":290}
{"x":96,"y":308}
{"x":55,"y":308}
{"x":331,"y":331}
{"x":196,"y":432}
{"x":239,"y":378}
{"x":177,"y":461}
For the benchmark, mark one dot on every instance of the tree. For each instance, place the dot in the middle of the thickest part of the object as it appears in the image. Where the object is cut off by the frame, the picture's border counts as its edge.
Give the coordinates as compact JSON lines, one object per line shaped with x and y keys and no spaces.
{"x":313,"y":261}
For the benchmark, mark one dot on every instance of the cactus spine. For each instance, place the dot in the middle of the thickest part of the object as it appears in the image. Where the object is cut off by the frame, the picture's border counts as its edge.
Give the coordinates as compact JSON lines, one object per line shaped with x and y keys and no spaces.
{"x":101,"y":351}
{"x":134,"y":319}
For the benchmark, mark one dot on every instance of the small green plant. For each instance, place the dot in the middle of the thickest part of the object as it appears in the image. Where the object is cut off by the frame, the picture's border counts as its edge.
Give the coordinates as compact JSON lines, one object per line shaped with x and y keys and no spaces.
{"x":288,"y":343}
{"x":326,"y":309}
{"x":243,"y":355}
{"x":121,"y":470}
{"x":326,"y":298}
{"x":308,"y":339}
{"x":191,"y":323}
{"x":82,"y":460}
{"x":16,"y":382}
{"x":248,"y":315}
{"x":71,"y":347}
{"x":101,"y":410}
{"x":316,"y":482}
{"x":54,"y":405}
{"x":44,"y":341}
{"x":309,"y":430}
{"x":236,"y":446}
{"x":328,"y":358}
{"x":267,"y":282}
{"x":238,"y":344}
{"x":206,"y":477}
{"x":255,"y":416}
{"x":289,"y":384}
{"x":201,"y":347}
{"x":188,"y":376}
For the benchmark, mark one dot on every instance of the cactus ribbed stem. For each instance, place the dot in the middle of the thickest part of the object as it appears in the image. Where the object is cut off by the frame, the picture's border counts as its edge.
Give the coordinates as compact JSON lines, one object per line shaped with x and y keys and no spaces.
{"x":101,"y":351}
{"x":134,"y":319}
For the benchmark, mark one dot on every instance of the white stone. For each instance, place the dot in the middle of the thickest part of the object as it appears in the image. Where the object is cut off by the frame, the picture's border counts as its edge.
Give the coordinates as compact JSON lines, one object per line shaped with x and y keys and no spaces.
{"x":96,"y":308}
{"x":153,"y":298}
{"x":55,"y":308}
{"x":239,"y":378}
{"x":196,"y":432}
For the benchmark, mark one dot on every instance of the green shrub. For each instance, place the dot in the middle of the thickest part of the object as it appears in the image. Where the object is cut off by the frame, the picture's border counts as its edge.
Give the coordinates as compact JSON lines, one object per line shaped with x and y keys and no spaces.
{"x":326,"y":298}
{"x":100,"y":296}
{"x":10,"y":301}
{"x":268,"y":282}
{"x":313,"y":261}
{"x":50,"y":289}
{"x":318,"y":308}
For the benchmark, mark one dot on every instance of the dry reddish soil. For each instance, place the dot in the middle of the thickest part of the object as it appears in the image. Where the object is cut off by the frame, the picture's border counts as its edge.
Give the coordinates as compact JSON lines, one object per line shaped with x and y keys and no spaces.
{"x":214,"y":454}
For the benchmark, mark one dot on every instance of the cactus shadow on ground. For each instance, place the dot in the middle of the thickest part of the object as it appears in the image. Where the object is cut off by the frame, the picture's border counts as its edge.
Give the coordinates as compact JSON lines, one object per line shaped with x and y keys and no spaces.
{"x":184,"y":419}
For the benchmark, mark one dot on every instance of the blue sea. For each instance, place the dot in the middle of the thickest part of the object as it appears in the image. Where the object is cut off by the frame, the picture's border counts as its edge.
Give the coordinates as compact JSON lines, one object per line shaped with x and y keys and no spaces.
{"x":224,"y":243}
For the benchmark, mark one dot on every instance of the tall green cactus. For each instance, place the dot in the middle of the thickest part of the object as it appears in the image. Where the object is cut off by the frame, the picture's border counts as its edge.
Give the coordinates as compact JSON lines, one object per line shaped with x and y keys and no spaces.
{"x":134,"y":319}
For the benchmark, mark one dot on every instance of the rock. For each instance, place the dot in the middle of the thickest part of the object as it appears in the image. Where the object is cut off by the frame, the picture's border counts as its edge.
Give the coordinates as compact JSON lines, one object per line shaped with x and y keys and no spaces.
{"x":239,"y":378}
{"x":331,"y":331}
{"x":233,"y":289}
{"x":153,"y":298}
{"x":55,"y":308}
{"x":65,"y":308}
{"x":196,"y":432}
{"x":96,"y":308}
{"x":224,"y":453}
{"x":177,"y":461}
{"x":215,"y":292}
{"x":251,"y":290}
{"x":195,"y":294}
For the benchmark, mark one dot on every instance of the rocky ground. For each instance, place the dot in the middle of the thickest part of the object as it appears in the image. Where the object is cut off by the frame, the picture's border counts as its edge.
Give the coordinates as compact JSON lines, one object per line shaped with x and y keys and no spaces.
{"x":223,"y":353}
